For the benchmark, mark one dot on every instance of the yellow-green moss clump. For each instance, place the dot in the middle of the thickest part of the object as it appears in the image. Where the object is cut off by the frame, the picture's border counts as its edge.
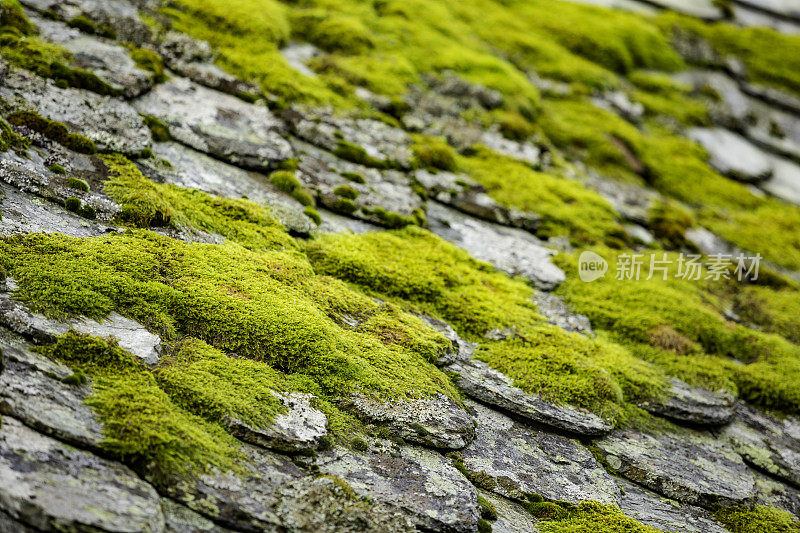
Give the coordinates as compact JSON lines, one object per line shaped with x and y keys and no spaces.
{"x":565,"y":206}
{"x":662,"y":96}
{"x":586,"y":517}
{"x":418,"y":270}
{"x":757,"y":519}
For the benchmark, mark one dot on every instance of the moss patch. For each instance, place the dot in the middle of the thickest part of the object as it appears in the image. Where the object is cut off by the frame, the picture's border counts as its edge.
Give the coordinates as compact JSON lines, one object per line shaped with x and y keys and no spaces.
{"x":759,"y":518}
{"x":586,"y":517}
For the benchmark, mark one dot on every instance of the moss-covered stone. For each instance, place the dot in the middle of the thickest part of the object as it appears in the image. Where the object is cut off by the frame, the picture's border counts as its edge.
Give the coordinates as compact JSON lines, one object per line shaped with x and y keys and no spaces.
{"x":758,"y":518}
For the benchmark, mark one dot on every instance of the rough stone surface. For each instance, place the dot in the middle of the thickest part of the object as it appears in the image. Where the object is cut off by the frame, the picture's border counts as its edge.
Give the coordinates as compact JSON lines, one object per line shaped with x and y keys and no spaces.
{"x":181,"y":519}
{"x":690,"y":467}
{"x":298,"y":54}
{"x":326,"y":130}
{"x":511,"y":516}
{"x":764,"y":442}
{"x":196,"y":170}
{"x":781,"y":8}
{"x":120,"y":15}
{"x":732,"y":155}
{"x":462,"y":349}
{"x":51,"y":486}
{"x":558,"y":313}
{"x":664,"y":514}
{"x":112,"y":124}
{"x":785,"y":180}
{"x":632,"y":202}
{"x":489,"y":386}
{"x":468,"y":196}
{"x":218,"y":124}
{"x":110,"y":61}
{"x":704,"y":9}
{"x":299,"y":428}
{"x":692,"y":404}
{"x":512,"y":250}
{"x":131,"y":335}
{"x":519,"y":459}
{"x":524,"y":151}
{"x":438,"y":422}
{"x":420,"y":483}
{"x":772,"y":492}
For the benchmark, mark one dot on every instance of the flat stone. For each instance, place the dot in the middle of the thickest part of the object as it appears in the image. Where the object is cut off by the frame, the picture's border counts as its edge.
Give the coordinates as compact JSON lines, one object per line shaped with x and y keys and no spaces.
{"x":523,"y":151}
{"x":180,"y":519}
{"x":46,"y":404}
{"x":785,"y":180}
{"x":17,"y":349}
{"x":491,"y":387}
{"x":693,"y":404}
{"x":112,"y":124}
{"x":732,"y":155}
{"x":511,"y":250}
{"x":782,"y":8}
{"x":520,"y":459}
{"x":197,"y":170}
{"x":246,"y":135}
{"x":389,"y":190}
{"x":110,"y":61}
{"x":49,"y":486}
{"x":559,"y":314}
{"x":300,"y":428}
{"x":747,"y":16}
{"x":704,"y":9}
{"x":690,"y":467}
{"x":325,"y":129}
{"x":418,"y":482}
{"x":131,"y":335}
{"x":335,"y":223}
{"x":619,"y":103}
{"x":664,"y":514}
{"x":764,"y":442}
{"x":466,"y":195}
{"x":437,"y":422}
{"x":121,"y":15}
{"x":734,"y":106}
{"x":511,"y":516}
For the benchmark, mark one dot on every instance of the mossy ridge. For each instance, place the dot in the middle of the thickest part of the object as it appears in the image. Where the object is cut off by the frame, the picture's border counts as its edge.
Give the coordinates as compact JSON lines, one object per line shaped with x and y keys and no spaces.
{"x":771,"y":58}
{"x":662,"y":96}
{"x":419,"y":271}
{"x":566,"y":207}
{"x":585,"y":517}
{"x":51,"y":129}
{"x":164,"y":441}
{"x":773,"y":309}
{"x":757,"y":519}
{"x":676,"y":325}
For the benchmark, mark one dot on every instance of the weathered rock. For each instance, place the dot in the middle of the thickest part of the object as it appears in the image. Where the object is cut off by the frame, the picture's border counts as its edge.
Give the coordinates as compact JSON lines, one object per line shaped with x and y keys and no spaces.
{"x":693,"y":404}
{"x":180,"y":519}
{"x":511,"y":250}
{"x":558,"y":313}
{"x":383,"y":195}
{"x":704,"y":9}
{"x":121,"y":15}
{"x":218,"y":124}
{"x":17,"y":349}
{"x":466,"y":195}
{"x":780,"y":8}
{"x":690,"y":466}
{"x":524,"y":151}
{"x":461,"y":349}
{"x":770,"y":491}
{"x":747,"y":16}
{"x":51,"y":486}
{"x":732,"y":155}
{"x":131,"y":335}
{"x":438,"y":422}
{"x":638,"y":233}
{"x":334,"y":223}
{"x":618,"y":102}
{"x":764,"y":442}
{"x":489,"y":386}
{"x":111,"y":62}
{"x":785,"y":180}
{"x":418,"y":482}
{"x":511,"y":516}
{"x":298,"y":429}
{"x":632,"y":202}
{"x":512,"y":459}
{"x":708,"y":242}
{"x":45,"y":403}
{"x":326,"y":130}
{"x":196,"y":170}
{"x":733,"y":107}
{"x":112,"y":124}
{"x":298,"y":54}
{"x":663,"y":514}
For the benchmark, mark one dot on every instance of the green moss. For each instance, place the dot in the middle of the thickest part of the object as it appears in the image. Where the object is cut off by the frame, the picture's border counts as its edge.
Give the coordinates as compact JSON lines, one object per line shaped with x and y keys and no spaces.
{"x":284,"y":180}
{"x":345,"y":206}
{"x":312,"y":213}
{"x":774,"y":310}
{"x":757,"y":519}
{"x":12,"y":16}
{"x":390,"y":219}
{"x":513,"y":125}
{"x":150,"y":61}
{"x":770,"y":57}
{"x":356,"y":154}
{"x":566,"y":207}
{"x":304,"y":197}
{"x":77,"y":378}
{"x":587,"y":517}
{"x":55,"y":168}
{"x":10,"y":140}
{"x":53,"y":130}
{"x":487,"y":510}
{"x":669,"y":222}
{"x":359,"y":444}
{"x":662,"y":96}
{"x":73,"y":204}
{"x":355,"y":177}
{"x":158,"y":129}
{"x":484,"y":526}
{"x":433,"y":153}
{"x":77,"y":184}
{"x":331,"y":31}
{"x":165,"y":441}
{"x":345,"y":191}
{"x":87,"y":25}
